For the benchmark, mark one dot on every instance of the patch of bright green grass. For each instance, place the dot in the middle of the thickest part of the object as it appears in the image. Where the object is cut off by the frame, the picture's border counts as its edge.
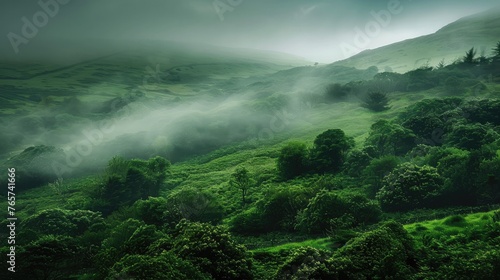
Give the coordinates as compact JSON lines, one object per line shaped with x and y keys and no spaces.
{"x":321,"y":243}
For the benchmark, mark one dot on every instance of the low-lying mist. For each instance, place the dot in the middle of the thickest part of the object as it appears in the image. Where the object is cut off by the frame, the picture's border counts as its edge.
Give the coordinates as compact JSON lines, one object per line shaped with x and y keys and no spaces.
{"x":137,"y":126}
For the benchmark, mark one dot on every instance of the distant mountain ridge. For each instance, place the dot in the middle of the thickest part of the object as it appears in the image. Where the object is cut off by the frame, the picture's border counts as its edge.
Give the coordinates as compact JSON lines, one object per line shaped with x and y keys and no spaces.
{"x":449,"y":43}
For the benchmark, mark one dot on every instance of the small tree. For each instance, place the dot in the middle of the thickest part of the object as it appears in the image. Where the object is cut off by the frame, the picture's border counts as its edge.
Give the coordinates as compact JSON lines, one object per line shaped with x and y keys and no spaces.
{"x":376,"y":101}
{"x":241,"y":180}
{"x":470,"y":56}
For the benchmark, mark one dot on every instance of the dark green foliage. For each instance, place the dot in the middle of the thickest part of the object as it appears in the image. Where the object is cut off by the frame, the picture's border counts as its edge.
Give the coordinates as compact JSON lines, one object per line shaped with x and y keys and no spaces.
{"x":465,"y":183}
{"x":430,"y":107}
{"x":391,"y":81}
{"x":248,"y":222}
{"x":330,"y":150}
{"x":195,"y":205}
{"x":337,"y":92}
{"x":275,"y":212}
{"x":61,"y":222}
{"x":213,"y":250}
{"x":483,"y":111}
{"x":156,"y":211}
{"x":292,"y":160}
{"x":409,"y":187}
{"x":496,"y":51}
{"x":429,"y":128}
{"x":326,"y":207}
{"x":50,"y":257}
{"x":124,"y":182}
{"x":356,"y":161}
{"x":377,"y":170}
{"x":470,"y":57}
{"x":376,"y":101}
{"x":471,"y":136}
{"x":128,"y":238}
{"x":421,"y":79}
{"x":384,"y":253}
{"x":280,"y":207}
{"x":305,"y":263}
{"x":488,"y":181}
{"x":165,"y":266}
{"x":390,"y":138}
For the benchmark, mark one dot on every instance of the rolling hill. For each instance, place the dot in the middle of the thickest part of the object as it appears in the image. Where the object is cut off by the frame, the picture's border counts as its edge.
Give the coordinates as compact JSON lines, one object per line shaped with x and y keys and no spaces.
{"x":448,"y":43}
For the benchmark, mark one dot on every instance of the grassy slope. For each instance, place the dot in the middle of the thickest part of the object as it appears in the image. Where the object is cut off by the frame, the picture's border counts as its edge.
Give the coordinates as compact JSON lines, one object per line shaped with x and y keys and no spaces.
{"x":447,"y":227}
{"x":449,"y":43}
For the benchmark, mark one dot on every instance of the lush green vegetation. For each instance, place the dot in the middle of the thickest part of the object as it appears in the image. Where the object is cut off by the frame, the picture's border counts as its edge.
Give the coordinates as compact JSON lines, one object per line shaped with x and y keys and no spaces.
{"x":406,"y":191}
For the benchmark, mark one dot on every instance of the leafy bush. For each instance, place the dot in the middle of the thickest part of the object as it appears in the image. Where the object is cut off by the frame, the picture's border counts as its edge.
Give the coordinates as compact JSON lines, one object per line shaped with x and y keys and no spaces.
{"x":157,"y":211}
{"x":330,"y":150}
{"x":124,"y":182}
{"x":213,"y":250}
{"x":390,"y":138}
{"x":326,"y":207}
{"x":61,"y":222}
{"x":165,"y":266}
{"x":356,"y":161}
{"x":337,"y":92}
{"x":428,"y":127}
{"x":276,"y":211}
{"x":195,"y":205}
{"x":409,"y":187}
{"x":51,"y":257}
{"x":384,"y":253}
{"x":375,"y":172}
{"x":292,"y":160}
{"x":306,"y":263}
{"x":471,"y":136}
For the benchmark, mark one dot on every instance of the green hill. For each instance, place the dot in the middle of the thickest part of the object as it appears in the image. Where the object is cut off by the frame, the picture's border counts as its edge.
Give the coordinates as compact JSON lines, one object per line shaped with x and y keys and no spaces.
{"x":449,"y":44}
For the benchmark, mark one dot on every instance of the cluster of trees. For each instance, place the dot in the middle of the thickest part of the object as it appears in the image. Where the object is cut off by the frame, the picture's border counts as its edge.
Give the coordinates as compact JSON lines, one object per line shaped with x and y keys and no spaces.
{"x":125,"y":181}
{"x":327,"y":155}
{"x":82,"y":243}
{"x":453,"y":79}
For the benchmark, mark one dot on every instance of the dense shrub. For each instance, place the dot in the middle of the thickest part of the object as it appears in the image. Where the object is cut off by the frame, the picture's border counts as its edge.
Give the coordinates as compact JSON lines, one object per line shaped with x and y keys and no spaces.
{"x":390,"y":138}
{"x":327,"y":208}
{"x":165,"y":266}
{"x":427,"y":127}
{"x":213,"y":250}
{"x":471,"y":136}
{"x":292,"y":160}
{"x":195,"y":205}
{"x":337,"y":92}
{"x":126,"y":181}
{"x":330,"y":150}
{"x":384,"y":253}
{"x":409,"y":187}
{"x":356,"y":161}
{"x":275,"y":212}
{"x":306,"y":263}
{"x":61,"y":222}
{"x":375,"y":172}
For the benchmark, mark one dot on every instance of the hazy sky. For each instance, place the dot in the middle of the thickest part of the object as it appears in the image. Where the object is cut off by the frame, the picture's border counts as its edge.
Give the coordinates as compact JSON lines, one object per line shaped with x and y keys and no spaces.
{"x":314,"y":29}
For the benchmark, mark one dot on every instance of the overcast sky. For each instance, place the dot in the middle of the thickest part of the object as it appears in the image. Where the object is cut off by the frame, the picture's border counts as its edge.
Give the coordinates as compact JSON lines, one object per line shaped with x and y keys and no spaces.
{"x":313,"y":29}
